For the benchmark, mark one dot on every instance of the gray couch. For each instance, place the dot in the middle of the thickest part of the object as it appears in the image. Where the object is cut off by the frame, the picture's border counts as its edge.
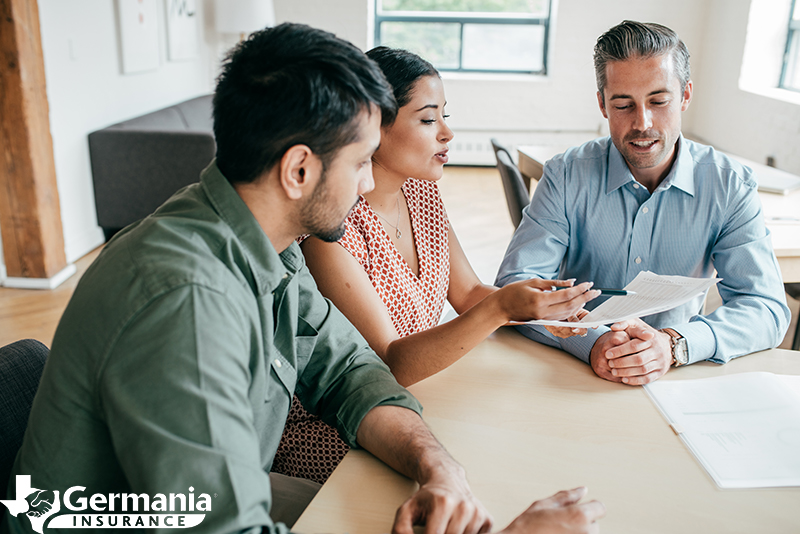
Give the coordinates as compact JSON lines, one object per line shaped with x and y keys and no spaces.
{"x":139,"y":163}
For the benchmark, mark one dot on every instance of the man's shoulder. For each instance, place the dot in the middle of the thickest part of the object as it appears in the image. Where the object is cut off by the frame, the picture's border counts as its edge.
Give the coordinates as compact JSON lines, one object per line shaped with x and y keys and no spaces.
{"x":588,"y":151}
{"x":715,"y":164}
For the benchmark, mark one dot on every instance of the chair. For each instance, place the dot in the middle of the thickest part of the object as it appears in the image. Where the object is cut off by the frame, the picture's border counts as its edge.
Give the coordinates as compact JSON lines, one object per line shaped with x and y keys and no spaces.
{"x":21,"y":365}
{"x":794,"y":291}
{"x":516,"y":193}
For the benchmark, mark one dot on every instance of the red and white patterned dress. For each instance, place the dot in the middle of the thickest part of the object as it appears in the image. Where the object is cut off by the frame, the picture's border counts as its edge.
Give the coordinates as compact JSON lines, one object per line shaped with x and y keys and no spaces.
{"x":310,"y":448}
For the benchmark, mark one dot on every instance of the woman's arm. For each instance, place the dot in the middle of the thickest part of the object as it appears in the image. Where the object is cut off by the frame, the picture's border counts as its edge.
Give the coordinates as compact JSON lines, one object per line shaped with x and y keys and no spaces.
{"x":412,"y":358}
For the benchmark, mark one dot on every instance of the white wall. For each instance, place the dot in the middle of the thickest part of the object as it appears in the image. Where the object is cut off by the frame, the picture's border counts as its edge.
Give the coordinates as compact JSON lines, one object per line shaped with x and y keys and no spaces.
{"x":751,"y":125}
{"x":87,"y":91}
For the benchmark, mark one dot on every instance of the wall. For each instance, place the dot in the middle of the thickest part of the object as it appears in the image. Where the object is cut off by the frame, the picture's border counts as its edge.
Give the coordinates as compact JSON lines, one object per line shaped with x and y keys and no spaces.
{"x":742,"y":122}
{"x":87,"y":91}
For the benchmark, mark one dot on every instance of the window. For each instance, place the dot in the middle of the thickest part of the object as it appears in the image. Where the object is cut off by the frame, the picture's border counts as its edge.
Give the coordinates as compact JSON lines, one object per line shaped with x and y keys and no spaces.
{"x":469,"y":35}
{"x":790,"y":75}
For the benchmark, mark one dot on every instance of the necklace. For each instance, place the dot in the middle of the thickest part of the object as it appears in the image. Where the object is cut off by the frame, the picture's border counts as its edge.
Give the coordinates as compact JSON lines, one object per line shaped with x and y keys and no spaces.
{"x":396,"y":225}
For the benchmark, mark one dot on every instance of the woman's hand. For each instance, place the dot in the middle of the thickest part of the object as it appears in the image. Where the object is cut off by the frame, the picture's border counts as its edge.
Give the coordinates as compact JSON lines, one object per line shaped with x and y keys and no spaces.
{"x":533,"y":299}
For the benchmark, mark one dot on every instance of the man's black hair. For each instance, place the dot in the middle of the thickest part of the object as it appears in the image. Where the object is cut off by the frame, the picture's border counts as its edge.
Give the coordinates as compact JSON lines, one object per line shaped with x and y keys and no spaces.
{"x":288,"y":85}
{"x":402,"y":68}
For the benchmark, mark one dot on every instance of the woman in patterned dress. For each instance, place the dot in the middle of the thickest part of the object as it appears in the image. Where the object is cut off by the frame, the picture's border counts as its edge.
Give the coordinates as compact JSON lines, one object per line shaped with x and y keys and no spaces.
{"x":400,"y":259}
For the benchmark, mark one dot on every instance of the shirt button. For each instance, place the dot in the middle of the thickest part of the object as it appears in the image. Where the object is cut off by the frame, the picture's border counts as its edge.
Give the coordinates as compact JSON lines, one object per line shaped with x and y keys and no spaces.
{"x":638,"y":259}
{"x":278,"y":363}
{"x":285,"y":276}
{"x":645,"y":210}
{"x":636,"y":186}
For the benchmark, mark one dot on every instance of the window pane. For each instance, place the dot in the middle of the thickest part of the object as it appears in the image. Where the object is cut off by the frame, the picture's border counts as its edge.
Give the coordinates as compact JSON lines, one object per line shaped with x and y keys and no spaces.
{"x":438,"y":42}
{"x":536,"y":7}
{"x":515,"y":47}
{"x":792,"y":77}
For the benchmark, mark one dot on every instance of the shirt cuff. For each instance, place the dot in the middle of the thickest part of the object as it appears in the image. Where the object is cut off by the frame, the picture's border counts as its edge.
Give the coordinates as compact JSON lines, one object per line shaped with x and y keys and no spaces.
{"x":700,"y":341}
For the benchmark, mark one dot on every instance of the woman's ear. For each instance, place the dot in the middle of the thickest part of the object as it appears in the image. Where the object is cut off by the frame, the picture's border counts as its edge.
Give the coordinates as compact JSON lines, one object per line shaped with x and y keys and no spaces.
{"x":300,"y":170}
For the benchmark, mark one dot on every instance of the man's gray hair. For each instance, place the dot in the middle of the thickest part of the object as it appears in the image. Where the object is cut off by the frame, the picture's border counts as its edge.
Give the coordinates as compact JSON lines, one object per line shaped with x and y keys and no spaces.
{"x":639,"y":39}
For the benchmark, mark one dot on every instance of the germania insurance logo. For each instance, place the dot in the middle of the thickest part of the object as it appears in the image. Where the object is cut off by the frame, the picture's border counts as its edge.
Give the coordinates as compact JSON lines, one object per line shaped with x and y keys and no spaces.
{"x":115,"y":510}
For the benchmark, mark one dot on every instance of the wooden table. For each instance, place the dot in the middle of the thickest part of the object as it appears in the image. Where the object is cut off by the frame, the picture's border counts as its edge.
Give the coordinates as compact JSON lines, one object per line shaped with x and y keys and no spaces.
{"x":785,"y":233}
{"x":526,"y":420}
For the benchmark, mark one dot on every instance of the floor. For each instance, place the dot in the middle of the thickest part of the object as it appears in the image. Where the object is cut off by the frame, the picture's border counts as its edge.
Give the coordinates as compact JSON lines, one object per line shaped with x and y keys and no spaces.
{"x":475,"y":204}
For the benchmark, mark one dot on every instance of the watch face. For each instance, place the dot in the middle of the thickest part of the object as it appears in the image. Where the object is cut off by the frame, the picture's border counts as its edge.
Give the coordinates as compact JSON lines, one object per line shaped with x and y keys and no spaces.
{"x":681,"y":351}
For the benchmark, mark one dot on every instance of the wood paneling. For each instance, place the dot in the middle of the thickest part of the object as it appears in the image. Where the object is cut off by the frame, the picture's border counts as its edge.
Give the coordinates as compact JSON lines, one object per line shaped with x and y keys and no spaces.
{"x":30,"y":214}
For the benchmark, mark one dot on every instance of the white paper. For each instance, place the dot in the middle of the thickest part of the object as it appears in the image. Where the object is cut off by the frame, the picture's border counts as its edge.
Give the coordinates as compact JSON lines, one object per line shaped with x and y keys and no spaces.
{"x":654,"y":294}
{"x":744,"y":429}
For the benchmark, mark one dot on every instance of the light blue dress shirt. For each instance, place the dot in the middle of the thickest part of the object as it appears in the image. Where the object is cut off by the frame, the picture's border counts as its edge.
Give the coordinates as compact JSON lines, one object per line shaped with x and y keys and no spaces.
{"x":589,"y":219}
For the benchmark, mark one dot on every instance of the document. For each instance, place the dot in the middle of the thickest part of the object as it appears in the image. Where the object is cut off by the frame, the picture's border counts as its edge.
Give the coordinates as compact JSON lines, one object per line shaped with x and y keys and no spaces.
{"x":744,"y":429}
{"x":654,"y":294}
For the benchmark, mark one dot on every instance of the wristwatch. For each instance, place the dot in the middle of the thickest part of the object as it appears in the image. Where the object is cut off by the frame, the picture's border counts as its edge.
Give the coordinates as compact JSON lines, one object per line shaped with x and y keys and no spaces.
{"x":680,"y":350}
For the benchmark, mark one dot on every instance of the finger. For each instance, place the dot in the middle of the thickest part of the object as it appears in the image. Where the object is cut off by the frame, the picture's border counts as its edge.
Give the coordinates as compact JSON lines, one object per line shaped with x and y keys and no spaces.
{"x":592,"y":510}
{"x":570,"y":293}
{"x":634,"y":359}
{"x":624,"y":325}
{"x":633,"y":346}
{"x":560,"y":283}
{"x":641,"y":331}
{"x":560,"y":499}
{"x":404,"y":519}
{"x":478,"y":522}
{"x":644,"y":379}
{"x":460,"y":518}
{"x":637,"y":370}
{"x":438,"y":517}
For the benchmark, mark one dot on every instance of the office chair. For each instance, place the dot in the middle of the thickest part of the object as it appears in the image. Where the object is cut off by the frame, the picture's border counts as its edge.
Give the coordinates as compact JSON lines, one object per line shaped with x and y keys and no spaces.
{"x":21,"y":365}
{"x":794,"y":291}
{"x":498,"y":146}
{"x":516,"y":193}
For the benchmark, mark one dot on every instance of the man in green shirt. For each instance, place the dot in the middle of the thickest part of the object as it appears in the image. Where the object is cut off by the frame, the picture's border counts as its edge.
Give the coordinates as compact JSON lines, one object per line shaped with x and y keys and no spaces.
{"x":174,"y":365}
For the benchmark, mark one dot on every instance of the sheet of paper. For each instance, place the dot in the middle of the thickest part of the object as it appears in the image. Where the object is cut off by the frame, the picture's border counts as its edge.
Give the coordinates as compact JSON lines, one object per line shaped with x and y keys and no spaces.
{"x":744,"y":429}
{"x":654,"y":294}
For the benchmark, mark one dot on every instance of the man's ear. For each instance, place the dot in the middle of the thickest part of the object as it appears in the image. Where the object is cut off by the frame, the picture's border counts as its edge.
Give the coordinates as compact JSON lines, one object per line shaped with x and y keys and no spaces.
{"x":300,"y":170}
{"x":687,"y":95}
{"x":601,"y":104}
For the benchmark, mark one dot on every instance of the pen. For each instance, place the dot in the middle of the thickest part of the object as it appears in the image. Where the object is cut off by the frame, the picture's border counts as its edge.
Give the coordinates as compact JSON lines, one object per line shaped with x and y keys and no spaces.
{"x":610,"y":292}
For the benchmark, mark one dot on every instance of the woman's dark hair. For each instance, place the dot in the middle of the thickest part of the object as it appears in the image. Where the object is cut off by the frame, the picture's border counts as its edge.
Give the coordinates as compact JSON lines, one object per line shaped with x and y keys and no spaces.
{"x":288,"y":85}
{"x":402,"y":69}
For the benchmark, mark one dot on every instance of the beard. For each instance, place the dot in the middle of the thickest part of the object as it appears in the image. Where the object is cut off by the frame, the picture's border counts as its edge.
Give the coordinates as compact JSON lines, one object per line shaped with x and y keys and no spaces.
{"x":320,"y":217}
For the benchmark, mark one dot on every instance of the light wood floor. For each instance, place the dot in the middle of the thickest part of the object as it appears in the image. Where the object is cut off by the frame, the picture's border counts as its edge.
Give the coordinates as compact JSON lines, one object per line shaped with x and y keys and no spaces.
{"x":475,"y":204}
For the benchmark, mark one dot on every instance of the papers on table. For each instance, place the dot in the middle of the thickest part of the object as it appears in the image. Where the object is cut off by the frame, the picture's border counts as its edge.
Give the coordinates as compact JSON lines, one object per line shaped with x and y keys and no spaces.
{"x":654,"y":294}
{"x":744,"y":429}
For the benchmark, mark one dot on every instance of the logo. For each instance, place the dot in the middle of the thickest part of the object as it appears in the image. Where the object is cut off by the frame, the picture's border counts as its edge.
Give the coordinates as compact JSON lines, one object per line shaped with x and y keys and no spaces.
{"x":115,"y":510}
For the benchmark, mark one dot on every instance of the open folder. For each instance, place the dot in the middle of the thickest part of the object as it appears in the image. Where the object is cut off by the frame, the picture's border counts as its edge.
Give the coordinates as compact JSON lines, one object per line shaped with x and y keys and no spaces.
{"x":744,"y":429}
{"x":654,"y":294}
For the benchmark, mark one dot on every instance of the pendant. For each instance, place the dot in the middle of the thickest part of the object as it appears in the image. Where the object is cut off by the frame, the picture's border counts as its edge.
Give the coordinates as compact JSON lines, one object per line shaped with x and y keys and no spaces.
{"x":398,"y":233}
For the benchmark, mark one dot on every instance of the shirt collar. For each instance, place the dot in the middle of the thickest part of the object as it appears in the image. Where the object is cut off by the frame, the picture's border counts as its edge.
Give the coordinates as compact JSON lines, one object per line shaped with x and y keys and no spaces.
{"x":681,"y":174}
{"x":267,"y":266}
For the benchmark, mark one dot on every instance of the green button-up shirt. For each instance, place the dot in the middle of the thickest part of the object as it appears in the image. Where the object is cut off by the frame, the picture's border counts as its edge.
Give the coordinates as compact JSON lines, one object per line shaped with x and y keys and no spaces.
{"x":175,"y":362}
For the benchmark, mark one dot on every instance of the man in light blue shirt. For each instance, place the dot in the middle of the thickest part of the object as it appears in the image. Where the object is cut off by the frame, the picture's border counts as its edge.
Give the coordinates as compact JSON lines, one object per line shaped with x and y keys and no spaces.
{"x":647,"y":199}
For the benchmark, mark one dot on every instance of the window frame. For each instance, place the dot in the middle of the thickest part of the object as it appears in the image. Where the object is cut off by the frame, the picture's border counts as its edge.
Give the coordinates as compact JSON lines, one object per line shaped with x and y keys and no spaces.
{"x":793,"y":34}
{"x":463,"y":18}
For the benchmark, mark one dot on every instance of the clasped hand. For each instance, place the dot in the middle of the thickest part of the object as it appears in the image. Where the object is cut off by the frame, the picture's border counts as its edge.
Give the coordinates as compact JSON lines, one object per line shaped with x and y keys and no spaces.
{"x":632,"y":353}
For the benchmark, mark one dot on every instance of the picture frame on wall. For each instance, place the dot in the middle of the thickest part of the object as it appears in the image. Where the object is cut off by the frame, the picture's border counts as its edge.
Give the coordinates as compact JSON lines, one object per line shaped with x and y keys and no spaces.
{"x":182,"y":31}
{"x":138,"y":32}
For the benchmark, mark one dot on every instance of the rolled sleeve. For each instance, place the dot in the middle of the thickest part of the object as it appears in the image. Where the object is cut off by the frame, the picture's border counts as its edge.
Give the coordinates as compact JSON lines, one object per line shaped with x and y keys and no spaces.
{"x":344,"y":378}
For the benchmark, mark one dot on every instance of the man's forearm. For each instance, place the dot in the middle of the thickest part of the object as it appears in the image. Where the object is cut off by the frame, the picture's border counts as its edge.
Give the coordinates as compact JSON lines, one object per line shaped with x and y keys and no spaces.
{"x":400,"y":438}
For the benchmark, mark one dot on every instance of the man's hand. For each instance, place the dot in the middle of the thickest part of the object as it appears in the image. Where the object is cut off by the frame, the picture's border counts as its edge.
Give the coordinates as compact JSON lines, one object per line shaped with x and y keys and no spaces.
{"x":443,"y":505}
{"x":598,"y":359}
{"x":560,"y":513}
{"x":568,"y":331}
{"x":643,"y":359}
